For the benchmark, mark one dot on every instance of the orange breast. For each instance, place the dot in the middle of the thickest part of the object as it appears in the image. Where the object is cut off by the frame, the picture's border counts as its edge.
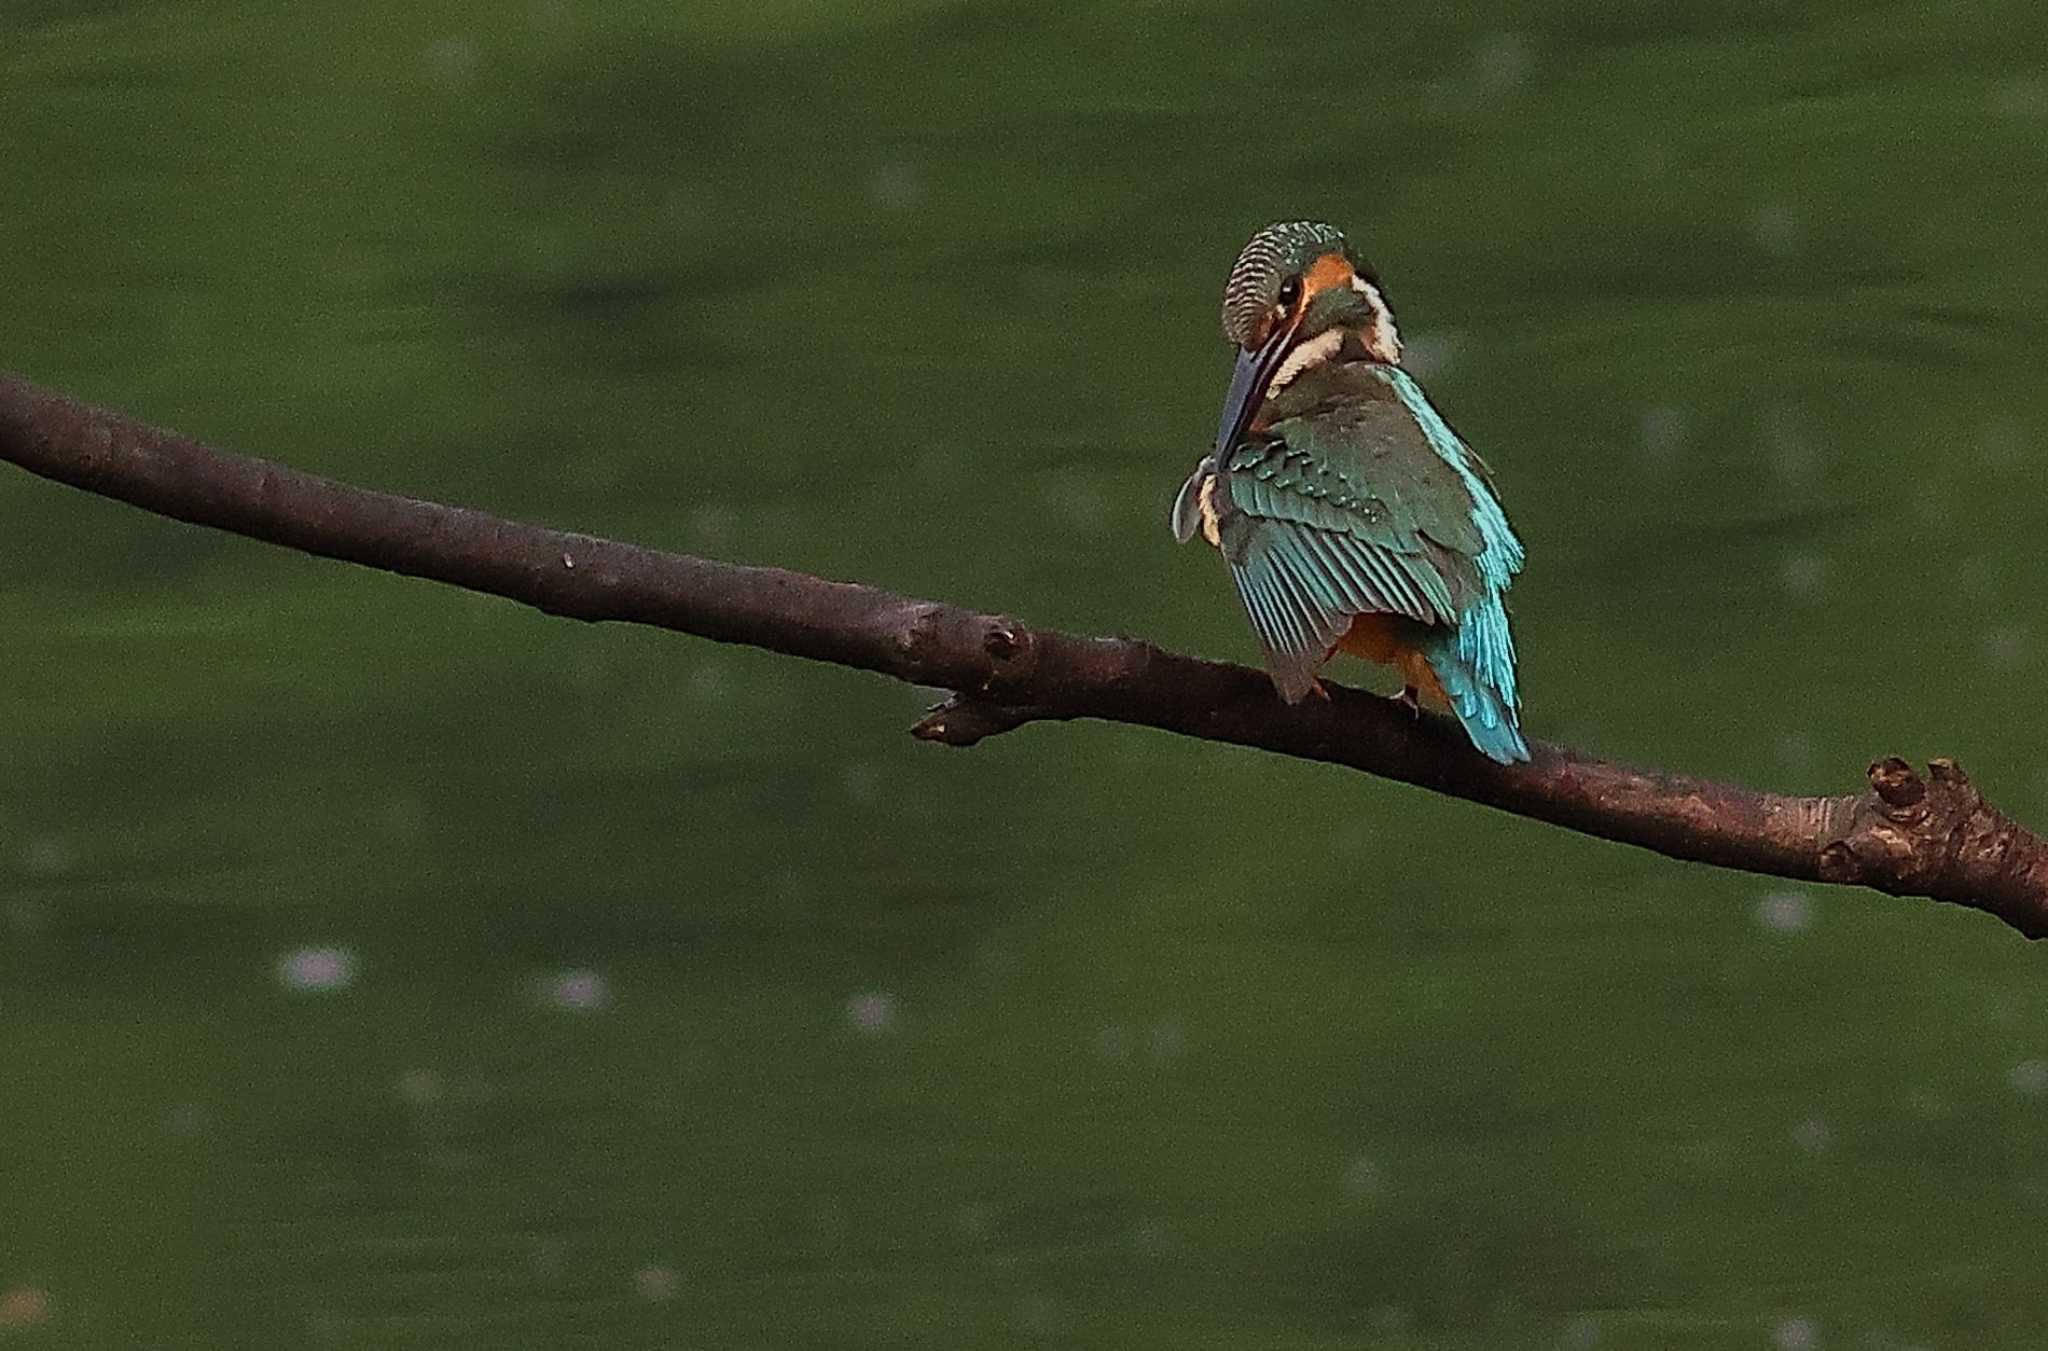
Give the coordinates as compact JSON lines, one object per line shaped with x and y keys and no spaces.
{"x":1393,"y":640}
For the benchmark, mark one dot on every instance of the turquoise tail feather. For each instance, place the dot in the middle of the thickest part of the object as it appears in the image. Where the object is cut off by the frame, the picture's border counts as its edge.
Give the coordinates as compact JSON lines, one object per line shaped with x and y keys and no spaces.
{"x":1478,"y":703}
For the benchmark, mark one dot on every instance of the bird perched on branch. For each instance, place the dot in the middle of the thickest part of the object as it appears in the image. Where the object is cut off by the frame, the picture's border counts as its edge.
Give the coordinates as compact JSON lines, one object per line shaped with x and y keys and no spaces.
{"x":1351,"y":515}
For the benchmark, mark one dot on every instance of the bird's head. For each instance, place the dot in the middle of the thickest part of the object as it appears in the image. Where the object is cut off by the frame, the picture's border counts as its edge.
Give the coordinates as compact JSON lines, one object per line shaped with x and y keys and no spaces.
{"x":1298,"y":297}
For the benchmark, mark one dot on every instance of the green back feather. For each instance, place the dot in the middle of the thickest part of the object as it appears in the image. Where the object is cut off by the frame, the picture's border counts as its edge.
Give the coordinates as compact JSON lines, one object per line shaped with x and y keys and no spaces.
{"x":1363,"y":501}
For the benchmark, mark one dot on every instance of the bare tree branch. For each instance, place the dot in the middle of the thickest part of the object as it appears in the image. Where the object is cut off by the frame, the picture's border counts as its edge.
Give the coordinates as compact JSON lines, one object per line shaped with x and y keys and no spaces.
{"x":1907,"y":834}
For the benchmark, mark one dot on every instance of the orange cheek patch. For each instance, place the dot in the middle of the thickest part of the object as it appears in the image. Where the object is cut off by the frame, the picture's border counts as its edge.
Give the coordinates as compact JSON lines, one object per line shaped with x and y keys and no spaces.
{"x":1327,"y":272}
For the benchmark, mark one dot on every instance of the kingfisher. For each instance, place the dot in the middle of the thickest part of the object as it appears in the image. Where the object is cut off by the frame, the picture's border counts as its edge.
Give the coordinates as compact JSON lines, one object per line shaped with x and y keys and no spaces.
{"x":1352,"y":517}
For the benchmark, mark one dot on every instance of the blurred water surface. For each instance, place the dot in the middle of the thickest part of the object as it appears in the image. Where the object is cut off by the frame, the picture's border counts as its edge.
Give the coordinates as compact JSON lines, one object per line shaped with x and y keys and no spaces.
{"x":385,"y":966}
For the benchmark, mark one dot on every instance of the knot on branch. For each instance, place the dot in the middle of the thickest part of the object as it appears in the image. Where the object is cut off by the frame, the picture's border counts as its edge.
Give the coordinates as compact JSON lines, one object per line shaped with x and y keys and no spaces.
{"x":959,"y":649}
{"x":1010,"y":649}
{"x":1935,"y":835}
{"x":1900,"y":789}
{"x":1907,"y":832}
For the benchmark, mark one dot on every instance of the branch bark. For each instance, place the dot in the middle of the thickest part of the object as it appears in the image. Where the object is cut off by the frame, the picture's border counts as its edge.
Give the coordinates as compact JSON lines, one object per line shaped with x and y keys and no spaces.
{"x":1905,"y":833}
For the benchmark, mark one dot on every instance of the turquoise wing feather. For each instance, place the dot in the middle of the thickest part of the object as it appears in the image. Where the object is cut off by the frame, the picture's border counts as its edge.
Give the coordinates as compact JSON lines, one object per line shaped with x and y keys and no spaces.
{"x":1485,"y":644}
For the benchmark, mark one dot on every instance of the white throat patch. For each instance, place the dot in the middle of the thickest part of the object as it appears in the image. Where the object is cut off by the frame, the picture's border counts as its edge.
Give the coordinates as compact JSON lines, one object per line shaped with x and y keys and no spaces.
{"x":1314,"y":352}
{"x":1380,"y":337}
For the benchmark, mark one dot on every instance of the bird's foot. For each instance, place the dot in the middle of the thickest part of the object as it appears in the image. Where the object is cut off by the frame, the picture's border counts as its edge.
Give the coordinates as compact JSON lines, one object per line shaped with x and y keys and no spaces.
{"x":1410,"y":700}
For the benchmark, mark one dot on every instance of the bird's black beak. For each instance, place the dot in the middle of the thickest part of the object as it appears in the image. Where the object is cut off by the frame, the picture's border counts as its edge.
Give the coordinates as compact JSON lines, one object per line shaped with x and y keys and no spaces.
{"x":1255,"y":368}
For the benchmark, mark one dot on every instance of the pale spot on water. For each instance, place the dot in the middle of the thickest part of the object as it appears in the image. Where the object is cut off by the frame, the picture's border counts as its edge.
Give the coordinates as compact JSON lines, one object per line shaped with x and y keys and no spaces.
{"x":1785,"y":912}
{"x":1442,"y":99}
{"x":1502,"y":63}
{"x":1392,"y":1319}
{"x":1582,"y":1334}
{"x":549,"y":16}
{"x":317,"y":970}
{"x":1795,"y":752}
{"x":656,"y":1284}
{"x":405,"y":816}
{"x":548,"y":1260}
{"x":420,"y":1087}
{"x":708,"y":682}
{"x":1927,"y":1105}
{"x":2025,"y":97}
{"x":452,"y":62}
{"x":47,"y":856}
{"x":871,"y":1013}
{"x":1795,"y":1334}
{"x":1662,"y":429}
{"x":2006,"y":648}
{"x":1362,"y":1179}
{"x":575,"y":991}
{"x":1077,"y":500}
{"x":2029,"y":1078}
{"x":471,"y":1090}
{"x":859,"y":781}
{"x":1151,"y":1237}
{"x":688,"y":204}
{"x":1651,"y":160}
{"x":896,"y":185}
{"x":1041,"y":1316}
{"x":1791,"y":451}
{"x":1169,"y":1039}
{"x":27,"y":918}
{"x":712,"y":528}
{"x":1777,"y":227}
{"x":1806,"y":577}
{"x":1811,"y":1135}
{"x":1113,"y":1042}
{"x":2002,"y":444}
{"x":24,"y":1306}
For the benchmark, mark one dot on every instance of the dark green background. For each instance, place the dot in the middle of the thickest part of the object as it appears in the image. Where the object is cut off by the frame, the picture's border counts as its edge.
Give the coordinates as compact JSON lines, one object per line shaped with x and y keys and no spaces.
{"x":691,"y":1003}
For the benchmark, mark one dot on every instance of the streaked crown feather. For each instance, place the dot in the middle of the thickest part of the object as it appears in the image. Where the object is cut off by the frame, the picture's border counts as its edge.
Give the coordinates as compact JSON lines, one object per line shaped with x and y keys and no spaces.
{"x":1273,"y":254}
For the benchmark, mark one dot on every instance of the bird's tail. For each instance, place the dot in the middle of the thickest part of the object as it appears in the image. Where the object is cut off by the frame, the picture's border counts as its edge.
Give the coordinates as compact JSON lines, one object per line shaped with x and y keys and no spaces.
{"x":1483,"y":709}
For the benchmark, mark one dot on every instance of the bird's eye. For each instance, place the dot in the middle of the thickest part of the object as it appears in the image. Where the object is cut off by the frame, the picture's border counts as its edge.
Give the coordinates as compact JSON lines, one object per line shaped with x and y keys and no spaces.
{"x":1290,"y":291}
